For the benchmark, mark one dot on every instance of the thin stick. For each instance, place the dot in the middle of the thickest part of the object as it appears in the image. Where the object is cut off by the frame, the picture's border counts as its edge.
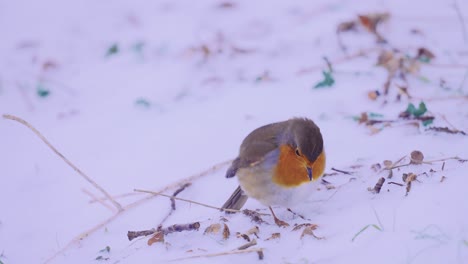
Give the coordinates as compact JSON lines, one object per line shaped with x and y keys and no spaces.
{"x":439,"y":160}
{"x":188,"y":201}
{"x":90,"y":194}
{"x":173,"y":206}
{"x":342,"y":171}
{"x":233,"y":252}
{"x":462,"y":20}
{"x":17,"y":119}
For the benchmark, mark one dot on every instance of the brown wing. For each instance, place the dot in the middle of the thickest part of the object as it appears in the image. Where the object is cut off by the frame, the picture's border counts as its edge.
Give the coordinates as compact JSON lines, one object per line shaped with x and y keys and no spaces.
{"x":255,"y":146}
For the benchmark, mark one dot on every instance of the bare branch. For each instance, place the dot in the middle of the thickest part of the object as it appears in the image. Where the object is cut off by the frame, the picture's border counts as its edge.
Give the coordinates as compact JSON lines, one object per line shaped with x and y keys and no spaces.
{"x":82,"y":174}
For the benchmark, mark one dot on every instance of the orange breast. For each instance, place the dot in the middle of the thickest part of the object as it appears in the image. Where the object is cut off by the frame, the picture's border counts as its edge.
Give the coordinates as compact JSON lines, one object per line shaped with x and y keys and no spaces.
{"x":291,"y":169}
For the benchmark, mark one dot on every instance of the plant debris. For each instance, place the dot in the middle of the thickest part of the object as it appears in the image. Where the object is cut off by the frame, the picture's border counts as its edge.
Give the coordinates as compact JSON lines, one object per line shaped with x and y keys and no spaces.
{"x":254,"y":216}
{"x":408,"y":178}
{"x":171,"y":229}
{"x":417,"y":157}
{"x":274,"y":236}
{"x":377,"y":186}
{"x":446,"y":130}
{"x":327,"y":81}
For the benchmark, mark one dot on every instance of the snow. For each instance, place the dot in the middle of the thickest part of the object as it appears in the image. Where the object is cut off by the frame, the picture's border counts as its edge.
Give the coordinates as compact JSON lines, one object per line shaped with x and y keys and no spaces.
{"x":201,"y":107}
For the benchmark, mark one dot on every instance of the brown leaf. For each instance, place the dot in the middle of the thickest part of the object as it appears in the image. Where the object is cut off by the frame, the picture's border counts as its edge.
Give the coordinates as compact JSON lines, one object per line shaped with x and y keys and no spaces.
{"x":157,"y":237}
{"x":226,"y":232}
{"x":309,"y":230}
{"x":387,"y":163}
{"x":424,"y":53}
{"x":213,"y":229}
{"x":244,"y":236}
{"x":346,"y":26}
{"x":297,"y":227}
{"x":417,"y":157}
{"x":274,"y":236}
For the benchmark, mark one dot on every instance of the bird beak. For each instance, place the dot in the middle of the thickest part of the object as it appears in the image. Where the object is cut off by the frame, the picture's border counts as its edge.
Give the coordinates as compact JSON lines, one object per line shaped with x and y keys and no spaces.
{"x":309,"y":173}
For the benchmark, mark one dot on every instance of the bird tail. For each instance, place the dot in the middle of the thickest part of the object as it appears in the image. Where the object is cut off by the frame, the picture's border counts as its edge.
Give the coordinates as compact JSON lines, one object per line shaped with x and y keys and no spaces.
{"x":237,"y":200}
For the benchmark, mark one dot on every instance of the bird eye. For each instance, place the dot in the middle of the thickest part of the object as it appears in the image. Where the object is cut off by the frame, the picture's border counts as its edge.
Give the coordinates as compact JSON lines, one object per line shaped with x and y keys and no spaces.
{"x":298,"y":153}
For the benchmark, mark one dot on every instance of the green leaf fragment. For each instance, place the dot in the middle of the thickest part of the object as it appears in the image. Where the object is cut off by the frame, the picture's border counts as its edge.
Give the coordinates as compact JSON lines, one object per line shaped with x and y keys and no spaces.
{"x":374,"y":115}
{"x":42,"y":91}
{"x":143,"y":103}
{"x":417,"y":112}
{"x":114,"y":49}
{"x":328,"y":80}
{"x":427,"y":122}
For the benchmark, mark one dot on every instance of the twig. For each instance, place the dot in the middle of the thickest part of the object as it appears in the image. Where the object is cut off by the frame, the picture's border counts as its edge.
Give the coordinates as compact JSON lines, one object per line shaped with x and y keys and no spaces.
{"x":396,"y":183}
{"x":188,"y":201}
{"x":439,"y":160}
{"x":233,"y":252}
{"x":23,"y":122}
{"x":173,"y":206}
{"x":462,"y":21}
{"x":134,"y":234}
{"x":90,"y":231}
{"x":377,"y":186}
{"x":167,"y":230}
{"x":342,"y":171}
{"x":90,"y":194}
{"x":358,"y":54}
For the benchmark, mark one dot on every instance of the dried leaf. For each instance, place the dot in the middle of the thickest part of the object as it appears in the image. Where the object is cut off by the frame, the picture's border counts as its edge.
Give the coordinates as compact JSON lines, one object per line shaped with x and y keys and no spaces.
{"x":213,"y":229}
{"x":424,"y":55}
{"x":253,"y":231}
{"x":346,"y":26}
{"x":297,"y":227}
{"x":376,"y":167}
{"x":417,"y":157}
{"x":309,"y":230}
{"x":387,"y":164}
{"x":157,"y":237}
{"x":226,"y":232}
{"x":274,"y":236}
{"x":244,"y":236}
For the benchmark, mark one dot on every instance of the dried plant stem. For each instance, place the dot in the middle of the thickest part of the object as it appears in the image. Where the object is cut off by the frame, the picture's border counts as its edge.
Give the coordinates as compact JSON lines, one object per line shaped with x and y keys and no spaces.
{"x":233,"y":252}
{"x":173,"y":206}
{"x":462,"y":21}
{"x":439,"y":160}
{"x":82,"y":174}
{"x":90,"y":194}
{"x":342,"y":171}
{"x":188,"y":201}
{"x":90,"y":231}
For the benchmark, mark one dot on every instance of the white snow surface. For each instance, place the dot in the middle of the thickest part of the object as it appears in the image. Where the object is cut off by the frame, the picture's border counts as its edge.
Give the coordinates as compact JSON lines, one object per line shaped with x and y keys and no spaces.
{"x":199,"y":110}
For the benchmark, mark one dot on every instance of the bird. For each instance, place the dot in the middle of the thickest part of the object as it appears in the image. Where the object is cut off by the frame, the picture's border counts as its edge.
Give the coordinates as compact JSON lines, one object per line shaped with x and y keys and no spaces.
{"x":277,"y":164}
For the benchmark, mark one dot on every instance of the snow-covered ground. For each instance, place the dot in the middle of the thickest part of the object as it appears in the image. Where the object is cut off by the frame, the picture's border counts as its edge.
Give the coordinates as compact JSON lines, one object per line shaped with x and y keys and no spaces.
{"x":143,"y":94}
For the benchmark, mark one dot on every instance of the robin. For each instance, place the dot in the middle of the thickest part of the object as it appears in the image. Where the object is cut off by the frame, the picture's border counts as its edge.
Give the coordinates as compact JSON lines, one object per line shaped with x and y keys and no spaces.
{"x":276,"y":165}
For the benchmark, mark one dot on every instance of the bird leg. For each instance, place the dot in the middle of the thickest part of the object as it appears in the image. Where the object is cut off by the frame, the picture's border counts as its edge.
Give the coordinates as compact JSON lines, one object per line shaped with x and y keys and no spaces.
{"x":278,"y":222}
